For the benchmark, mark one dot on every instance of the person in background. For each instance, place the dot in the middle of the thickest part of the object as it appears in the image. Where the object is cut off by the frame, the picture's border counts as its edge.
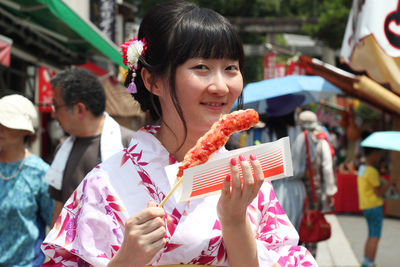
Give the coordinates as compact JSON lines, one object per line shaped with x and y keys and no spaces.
{"x":323,"y":172}
{"x":335,"y":142}
{"x":186,"y":70}
{"x":25,"y":205}
{"x":281,"y":122}
{"x":79,"y":103}
{"x":370,"y":195}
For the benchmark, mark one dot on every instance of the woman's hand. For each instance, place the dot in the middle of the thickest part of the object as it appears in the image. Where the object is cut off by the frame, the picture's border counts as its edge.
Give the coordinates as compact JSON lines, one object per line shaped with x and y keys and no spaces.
{"x":143,"y":238}
{"x":232,"y":206}
{"x":234,"y":201}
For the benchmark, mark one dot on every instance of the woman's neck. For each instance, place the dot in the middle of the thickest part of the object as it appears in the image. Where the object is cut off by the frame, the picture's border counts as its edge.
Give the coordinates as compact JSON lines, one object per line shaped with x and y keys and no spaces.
{"x":172,"y":142}
{"x":16,"y":153}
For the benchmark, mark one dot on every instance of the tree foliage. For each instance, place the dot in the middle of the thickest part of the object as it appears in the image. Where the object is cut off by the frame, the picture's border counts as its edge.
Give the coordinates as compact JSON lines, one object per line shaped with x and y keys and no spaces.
{"x":332,"y":14}
{"x":332,"y":18}
{"x":229,"y":8}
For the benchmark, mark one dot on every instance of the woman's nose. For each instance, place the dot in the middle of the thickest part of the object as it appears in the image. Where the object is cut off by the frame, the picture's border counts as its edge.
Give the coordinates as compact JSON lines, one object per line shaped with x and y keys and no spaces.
{"x":218,"y":85}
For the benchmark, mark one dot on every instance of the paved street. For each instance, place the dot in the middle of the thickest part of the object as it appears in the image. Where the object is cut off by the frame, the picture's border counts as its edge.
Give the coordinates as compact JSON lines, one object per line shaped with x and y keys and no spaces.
{"x":345,"y":247}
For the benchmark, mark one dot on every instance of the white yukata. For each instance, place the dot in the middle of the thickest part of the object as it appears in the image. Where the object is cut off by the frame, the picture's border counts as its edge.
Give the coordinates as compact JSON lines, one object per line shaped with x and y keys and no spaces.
{"x":90,"y":228}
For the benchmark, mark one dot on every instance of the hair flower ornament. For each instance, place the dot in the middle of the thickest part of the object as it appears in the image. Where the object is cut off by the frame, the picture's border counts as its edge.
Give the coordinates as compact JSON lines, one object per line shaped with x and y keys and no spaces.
{"x":131,"y":51}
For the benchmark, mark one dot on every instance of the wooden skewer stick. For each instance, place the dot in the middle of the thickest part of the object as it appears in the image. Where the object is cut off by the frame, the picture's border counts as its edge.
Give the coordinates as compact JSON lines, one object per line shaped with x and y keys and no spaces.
{"x":171,"y":192}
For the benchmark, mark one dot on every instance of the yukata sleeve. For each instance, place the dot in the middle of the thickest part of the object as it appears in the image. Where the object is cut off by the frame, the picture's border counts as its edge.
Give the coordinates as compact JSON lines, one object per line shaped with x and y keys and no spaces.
{"x":276,"y":237}
{"x":89,"y":230}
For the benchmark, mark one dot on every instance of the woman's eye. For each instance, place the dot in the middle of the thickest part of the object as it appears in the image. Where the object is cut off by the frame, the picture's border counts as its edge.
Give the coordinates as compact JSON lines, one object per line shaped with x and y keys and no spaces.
{"x":201,"y":67}
{"x":232,"y":67}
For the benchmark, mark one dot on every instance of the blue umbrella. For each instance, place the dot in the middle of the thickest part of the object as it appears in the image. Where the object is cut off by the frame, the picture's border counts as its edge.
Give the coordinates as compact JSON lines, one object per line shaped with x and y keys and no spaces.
{"x":311,"y":88}
{"x":384,"y":140}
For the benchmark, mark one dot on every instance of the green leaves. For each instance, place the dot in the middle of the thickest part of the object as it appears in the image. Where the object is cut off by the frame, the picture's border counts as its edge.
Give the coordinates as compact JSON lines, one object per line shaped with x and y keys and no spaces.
{"x":333,"y":16}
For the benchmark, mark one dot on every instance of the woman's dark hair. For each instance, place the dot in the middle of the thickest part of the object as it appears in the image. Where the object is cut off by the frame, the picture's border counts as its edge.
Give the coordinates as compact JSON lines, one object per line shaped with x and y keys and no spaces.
{"x":175,"y":32}
{"x":81,"y":85}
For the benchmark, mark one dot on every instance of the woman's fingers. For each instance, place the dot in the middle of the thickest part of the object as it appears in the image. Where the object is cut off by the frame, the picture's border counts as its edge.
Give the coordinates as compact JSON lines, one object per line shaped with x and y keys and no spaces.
{"x":157,"y":245}
{"x":247,"y":182}
{"x":226,"y":187}
{"x":258,"y":172}
{"x":143,"y":237}
{"x":239,"y":189}
{"x":147,"y":214}
{"x":155,"y":235}
{"x":151,"y":225}
{"x":148,"y":225}
{"x":236,"y":183}
{"x":248,"y":179}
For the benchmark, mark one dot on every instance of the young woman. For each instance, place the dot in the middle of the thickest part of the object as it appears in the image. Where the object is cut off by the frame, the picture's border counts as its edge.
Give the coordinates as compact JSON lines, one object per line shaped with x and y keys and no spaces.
{"x":186,"y":67}
{"x":25,"y":205}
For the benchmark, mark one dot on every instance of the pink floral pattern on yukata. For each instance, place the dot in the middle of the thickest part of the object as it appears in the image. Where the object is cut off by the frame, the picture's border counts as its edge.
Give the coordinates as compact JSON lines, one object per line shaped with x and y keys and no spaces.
{"x":71,"y":218}
{"x":265,"y":214}
{"x":274,"y":217}
{"x":171,"y":220}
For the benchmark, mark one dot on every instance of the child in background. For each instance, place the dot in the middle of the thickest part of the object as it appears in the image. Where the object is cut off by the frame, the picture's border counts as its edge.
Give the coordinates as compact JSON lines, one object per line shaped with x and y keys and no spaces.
{"x":370,"y":192}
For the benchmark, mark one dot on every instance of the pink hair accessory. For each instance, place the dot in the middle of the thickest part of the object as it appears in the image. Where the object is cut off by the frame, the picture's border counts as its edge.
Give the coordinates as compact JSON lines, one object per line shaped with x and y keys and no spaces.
{"x":131,"y":51}
{"x":132,"y":87}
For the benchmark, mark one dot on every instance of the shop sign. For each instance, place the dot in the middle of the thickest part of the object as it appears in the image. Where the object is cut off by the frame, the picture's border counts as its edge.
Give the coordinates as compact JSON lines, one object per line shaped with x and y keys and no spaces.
{"x":45,"y":90}
{"x":280,"y":70}
{"x":296,"y":68}
{"x":269,"y":66}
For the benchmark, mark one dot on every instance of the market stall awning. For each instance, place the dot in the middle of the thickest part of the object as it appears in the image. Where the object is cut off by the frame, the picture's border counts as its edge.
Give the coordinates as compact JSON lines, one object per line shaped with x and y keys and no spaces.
{"x":51,"y":29}
{"x":360,"y":87}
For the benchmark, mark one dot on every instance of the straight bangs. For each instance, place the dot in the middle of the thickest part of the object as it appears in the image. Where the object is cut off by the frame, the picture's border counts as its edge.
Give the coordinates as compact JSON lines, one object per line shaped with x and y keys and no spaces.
{"x":206,"y":34}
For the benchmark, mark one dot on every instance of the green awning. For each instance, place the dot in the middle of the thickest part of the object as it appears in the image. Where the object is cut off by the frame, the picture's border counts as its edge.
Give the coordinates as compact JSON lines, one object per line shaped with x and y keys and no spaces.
{"x":85,"y":29}
{"x":54,"y":24}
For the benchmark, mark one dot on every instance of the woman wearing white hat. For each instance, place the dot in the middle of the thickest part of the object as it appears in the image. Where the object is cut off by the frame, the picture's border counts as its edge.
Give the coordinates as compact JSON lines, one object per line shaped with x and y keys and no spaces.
{"x":25,"y":206}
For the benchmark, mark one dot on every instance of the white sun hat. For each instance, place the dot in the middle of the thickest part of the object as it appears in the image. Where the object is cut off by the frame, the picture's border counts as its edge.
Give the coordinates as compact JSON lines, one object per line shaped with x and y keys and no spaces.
{"x":308,"y":120}
{"x":18,"y":112}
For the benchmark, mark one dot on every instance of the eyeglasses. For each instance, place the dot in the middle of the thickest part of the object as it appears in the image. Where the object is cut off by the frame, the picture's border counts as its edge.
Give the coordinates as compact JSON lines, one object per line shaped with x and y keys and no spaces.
{"x":55,"y":107}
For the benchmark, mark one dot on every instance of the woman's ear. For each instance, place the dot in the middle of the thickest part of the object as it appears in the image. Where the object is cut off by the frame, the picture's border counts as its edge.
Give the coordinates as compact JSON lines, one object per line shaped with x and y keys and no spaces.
{"x":154,"y":86}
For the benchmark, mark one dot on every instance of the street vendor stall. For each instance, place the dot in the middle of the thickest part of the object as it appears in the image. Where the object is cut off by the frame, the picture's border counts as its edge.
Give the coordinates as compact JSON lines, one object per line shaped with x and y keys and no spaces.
{"x":370,"y":92}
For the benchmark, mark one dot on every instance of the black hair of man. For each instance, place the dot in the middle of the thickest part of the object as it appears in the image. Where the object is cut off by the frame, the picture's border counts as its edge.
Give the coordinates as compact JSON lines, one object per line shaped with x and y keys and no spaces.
{"x":81,"y":85}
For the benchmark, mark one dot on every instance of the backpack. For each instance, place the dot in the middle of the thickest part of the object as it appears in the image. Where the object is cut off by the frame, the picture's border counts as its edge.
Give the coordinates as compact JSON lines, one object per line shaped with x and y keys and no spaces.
{"x":323,"y":135}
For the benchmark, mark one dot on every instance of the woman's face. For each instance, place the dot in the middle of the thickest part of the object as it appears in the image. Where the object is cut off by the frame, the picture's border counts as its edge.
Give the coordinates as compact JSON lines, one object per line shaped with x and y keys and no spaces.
{"x":11,"y":137}
{"x":205,"y":88}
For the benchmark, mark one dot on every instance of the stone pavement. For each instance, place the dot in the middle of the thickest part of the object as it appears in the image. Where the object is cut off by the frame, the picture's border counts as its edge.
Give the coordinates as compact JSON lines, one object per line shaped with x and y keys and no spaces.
{"x":336,"y":251}
{"x":346,"y":245}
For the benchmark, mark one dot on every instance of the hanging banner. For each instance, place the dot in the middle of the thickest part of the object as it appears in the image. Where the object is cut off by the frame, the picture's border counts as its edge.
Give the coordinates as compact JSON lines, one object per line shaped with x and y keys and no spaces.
{"x":103,"y":16}
{"x":280,"y":70}
{"x":269,"y":66}
{"x":372,"y":40}
{"x":296,"y":68}
{"x":45,"y":90}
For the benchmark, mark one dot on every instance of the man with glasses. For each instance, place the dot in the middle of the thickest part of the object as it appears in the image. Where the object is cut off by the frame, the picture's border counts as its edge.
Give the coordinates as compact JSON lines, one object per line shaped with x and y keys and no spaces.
{"x":79,"y":106}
